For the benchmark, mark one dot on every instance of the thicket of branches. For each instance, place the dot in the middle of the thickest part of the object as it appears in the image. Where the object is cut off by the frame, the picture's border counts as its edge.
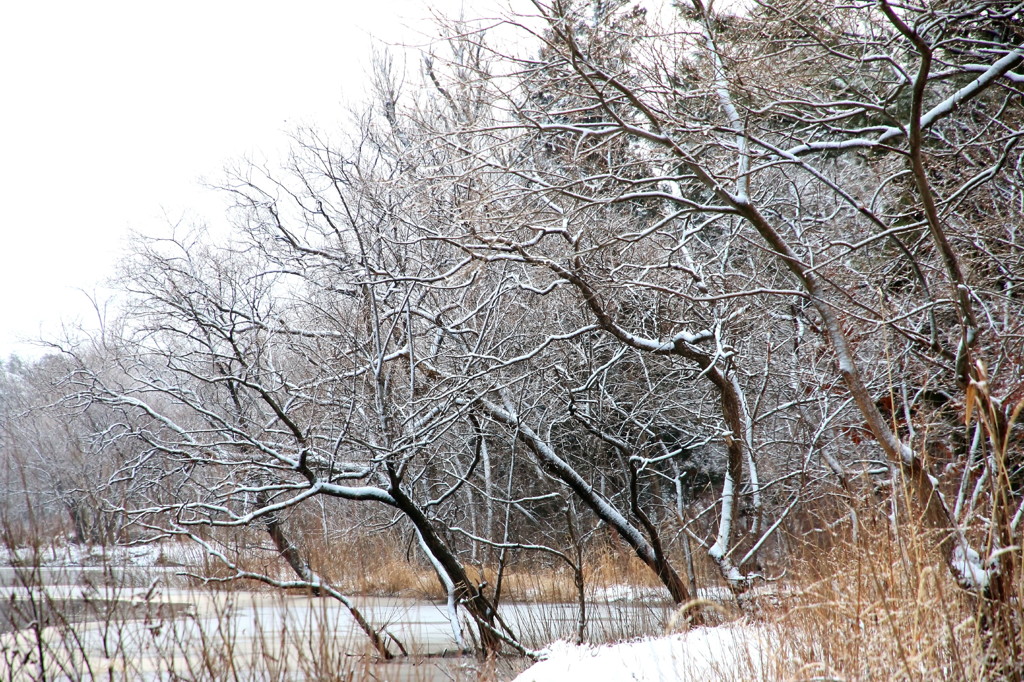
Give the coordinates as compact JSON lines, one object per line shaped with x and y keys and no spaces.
{"x":712,"y":276}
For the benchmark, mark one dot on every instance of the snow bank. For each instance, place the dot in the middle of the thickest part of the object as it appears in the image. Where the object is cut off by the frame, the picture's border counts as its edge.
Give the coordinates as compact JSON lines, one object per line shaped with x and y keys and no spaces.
{"x":639,"y":593}
{"x":73,"y":554}
{"x":628,"y":593}
{"x":721,"y":653}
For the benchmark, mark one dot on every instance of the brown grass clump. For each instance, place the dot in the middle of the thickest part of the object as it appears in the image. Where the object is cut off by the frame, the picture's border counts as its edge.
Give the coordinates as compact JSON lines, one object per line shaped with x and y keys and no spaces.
{"x":603,"y":567}
{"x":607,"y":567}
{"x":883,"y":607}
{"x":379,"y":564}
{"x":384,"y":565}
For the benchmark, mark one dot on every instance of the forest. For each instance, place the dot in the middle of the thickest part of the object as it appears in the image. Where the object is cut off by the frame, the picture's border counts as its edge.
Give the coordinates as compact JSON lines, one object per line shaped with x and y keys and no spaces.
{"x":731,"y":291}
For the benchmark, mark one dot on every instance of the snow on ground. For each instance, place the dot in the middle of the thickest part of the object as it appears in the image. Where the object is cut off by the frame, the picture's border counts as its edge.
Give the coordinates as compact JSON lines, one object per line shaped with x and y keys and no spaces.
{"x":74,"y":554}
{"x":642,"y":593}
{"x":627,"y":593}
{"x":728,"y":652}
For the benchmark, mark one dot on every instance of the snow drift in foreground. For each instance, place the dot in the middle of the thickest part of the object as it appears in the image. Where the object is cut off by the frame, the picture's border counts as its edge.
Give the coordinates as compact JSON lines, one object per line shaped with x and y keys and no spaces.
{"x":721,"y":653}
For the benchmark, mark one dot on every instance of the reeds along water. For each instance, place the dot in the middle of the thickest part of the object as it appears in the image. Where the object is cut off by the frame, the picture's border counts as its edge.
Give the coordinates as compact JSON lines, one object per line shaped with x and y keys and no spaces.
{"x":878,"y":604}
{"x":883,"y":606}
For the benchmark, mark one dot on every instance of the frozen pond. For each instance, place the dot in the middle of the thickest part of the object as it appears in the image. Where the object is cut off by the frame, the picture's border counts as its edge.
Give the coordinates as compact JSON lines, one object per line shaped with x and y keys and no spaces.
{"x":166,"y":631}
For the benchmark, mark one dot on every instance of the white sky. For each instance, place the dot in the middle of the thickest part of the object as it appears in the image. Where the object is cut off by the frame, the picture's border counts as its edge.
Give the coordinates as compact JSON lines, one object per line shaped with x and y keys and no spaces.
{"x":112,"y":111}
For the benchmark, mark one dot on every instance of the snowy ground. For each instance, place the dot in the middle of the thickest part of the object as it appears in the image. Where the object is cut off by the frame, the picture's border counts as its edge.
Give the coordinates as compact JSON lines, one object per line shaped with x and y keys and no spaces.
{"x":73,"y":554}
{"x":647,"y":594}
{"x":728,"y":652}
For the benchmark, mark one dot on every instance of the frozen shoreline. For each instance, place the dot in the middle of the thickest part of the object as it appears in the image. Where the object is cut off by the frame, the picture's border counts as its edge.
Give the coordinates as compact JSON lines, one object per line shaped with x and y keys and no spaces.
{"x":725,"y":652}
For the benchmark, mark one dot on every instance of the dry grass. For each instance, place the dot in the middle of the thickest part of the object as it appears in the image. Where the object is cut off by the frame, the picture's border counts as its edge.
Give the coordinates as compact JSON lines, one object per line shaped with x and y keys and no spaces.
{"x":883,"y":607}
{"x":379,"y":565}
{"x":268,"y":640}
{"x":603,"y":568}
{"x":383,"y":566}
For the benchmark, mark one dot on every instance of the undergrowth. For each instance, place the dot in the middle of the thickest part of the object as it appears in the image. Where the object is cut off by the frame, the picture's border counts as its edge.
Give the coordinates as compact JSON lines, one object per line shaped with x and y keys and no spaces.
{"x":878,"y":604}
{"x":883,"y":605}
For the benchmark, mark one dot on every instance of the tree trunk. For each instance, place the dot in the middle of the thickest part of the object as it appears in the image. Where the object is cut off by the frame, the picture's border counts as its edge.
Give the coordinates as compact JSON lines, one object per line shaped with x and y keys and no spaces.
{"x":478,"y":606}
{"x":290,"y":553}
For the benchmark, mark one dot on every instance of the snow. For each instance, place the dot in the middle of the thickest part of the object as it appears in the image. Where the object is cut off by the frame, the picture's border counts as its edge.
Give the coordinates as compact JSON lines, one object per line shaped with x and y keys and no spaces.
{"x":650,"y":594}
{"x":718,"y":593}
{"x":61,"y":554}
{"x":967,"y":563}
{"x":721,"y":653}
{"x":998,"y":69}
{"x":628,"y":593}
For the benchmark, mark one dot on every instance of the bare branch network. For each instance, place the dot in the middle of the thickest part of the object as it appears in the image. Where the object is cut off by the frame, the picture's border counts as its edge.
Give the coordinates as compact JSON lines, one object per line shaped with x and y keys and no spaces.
{"x":708,"y":276}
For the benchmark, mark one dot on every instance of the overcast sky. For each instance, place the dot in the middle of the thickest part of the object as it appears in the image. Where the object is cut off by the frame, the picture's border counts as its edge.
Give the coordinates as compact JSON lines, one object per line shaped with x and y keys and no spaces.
{"x":111,"y":112}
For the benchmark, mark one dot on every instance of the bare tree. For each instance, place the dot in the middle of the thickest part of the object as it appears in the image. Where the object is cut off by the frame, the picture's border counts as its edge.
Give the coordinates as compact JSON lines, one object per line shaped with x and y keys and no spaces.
{"x":802,"y":153}
{"x":772,"y":252}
